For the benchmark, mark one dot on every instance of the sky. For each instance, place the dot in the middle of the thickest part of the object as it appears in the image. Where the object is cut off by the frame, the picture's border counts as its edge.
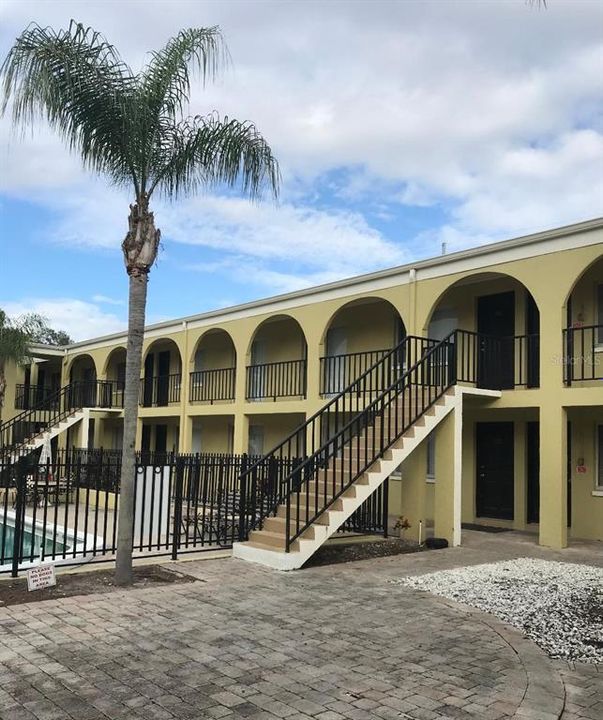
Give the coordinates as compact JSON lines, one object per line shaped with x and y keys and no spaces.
{"x":398,"y":125}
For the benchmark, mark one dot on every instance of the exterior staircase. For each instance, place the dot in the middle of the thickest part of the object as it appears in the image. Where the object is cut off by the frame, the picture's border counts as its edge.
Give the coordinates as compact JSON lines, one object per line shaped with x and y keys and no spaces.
{"x":373,"y":434}
{"x":54,"y":414}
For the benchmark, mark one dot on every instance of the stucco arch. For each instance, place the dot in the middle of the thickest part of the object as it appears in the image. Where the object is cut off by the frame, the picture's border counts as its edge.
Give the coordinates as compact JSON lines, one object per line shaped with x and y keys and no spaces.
{"x":78,"y":364}
{"x":383,"y":307}
{"x":223,"y":338}
{"x":112,"y":357}
{"x":594,"y":267}
{"x":288,"y":324}
{"x":164,"y":343}
{"x":483,"y":283}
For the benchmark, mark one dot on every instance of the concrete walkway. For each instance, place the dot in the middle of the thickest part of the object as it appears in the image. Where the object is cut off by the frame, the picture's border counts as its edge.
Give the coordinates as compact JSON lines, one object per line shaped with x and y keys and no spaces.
{"x":328,"y":642}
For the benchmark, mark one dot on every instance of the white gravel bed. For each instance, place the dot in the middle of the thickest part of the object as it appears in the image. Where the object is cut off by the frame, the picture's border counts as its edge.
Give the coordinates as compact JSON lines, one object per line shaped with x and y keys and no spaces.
{"x":558,"y":605}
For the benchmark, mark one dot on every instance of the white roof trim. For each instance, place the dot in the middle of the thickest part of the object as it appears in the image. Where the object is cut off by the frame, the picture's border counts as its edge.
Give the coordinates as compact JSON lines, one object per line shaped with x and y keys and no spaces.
{"x":540,"y":243}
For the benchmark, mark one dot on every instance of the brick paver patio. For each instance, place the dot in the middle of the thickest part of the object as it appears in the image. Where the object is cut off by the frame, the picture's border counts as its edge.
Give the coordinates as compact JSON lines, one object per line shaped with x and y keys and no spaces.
{"x":245,"y":642}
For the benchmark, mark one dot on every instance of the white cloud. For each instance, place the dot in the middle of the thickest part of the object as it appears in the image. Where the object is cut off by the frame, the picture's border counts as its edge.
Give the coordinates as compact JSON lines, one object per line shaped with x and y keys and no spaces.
{"x":491,"y":111}
{"x":257,"y":241}
{"x":81,"y":320}
{"x":104,"y":300}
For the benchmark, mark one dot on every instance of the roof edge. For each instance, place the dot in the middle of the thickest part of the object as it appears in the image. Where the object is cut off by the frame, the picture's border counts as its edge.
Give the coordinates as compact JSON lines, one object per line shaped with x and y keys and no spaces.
{"x":522,"y":240}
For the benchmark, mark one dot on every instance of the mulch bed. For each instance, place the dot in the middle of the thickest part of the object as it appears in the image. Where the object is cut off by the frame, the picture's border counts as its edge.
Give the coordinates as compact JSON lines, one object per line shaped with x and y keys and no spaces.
{"x":343,"y":552}
{"x":14,"y":592}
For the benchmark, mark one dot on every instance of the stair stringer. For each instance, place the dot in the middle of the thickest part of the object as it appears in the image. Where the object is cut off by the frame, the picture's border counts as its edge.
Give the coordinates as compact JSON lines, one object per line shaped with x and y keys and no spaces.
{"x":331,"y":519}
{"x":48,"y":433}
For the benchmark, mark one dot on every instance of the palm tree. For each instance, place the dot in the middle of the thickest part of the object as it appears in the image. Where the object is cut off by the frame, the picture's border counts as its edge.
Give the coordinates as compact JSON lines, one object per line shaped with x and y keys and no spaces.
{"x":15,"y":338}
{"x":130,"y":128}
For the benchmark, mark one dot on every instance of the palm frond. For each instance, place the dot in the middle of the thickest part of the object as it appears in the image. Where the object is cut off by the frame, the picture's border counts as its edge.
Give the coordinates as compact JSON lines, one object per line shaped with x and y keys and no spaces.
{"x":165,"y":84}
{"x":166,"y":81}
{"x":210,"y":151}
{"x":77,"y":80}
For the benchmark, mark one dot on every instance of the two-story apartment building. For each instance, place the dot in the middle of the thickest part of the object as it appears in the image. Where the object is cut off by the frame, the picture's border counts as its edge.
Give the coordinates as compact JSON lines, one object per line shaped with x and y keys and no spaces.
{"x":528,"y":456}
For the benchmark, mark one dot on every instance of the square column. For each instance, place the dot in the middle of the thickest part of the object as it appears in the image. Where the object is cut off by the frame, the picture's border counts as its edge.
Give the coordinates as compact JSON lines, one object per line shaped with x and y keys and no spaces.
{"x":449,"y":467}
{"x":553,"y":476}
{"x":412,"y":504}
{"x":241,"y":434}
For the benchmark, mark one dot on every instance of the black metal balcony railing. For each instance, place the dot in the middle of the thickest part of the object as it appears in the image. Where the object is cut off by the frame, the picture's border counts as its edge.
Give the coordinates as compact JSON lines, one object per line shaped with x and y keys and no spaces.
{"x":95,"y":394}
{"x":212,"y":385}
{"x":26,"y":396}
{"x":583,"y":353}
{"x":270,"y":381}
{"x":160,"y":390}
{"x":497,"y":363}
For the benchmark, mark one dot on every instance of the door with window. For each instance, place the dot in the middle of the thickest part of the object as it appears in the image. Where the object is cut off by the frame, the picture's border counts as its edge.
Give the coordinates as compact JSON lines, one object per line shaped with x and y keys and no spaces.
{"x":496,"y":330}
{"x":495,"y":470}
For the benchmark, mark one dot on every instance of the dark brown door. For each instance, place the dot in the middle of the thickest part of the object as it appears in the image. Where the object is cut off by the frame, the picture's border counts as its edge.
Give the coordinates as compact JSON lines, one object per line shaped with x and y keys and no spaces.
{"x":163,"y":377}
{"x":149,"y":366}
{"x":495,"y":470}
{"x":533,"y":471}
{"x":533,"y":342}
{"x":496,"y":328}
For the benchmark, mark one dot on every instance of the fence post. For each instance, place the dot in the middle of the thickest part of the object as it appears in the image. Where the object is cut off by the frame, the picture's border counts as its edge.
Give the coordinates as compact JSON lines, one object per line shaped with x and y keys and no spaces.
{"x":19,"y":513}
{"x":242,"y":497}
{"x":178,"y":507}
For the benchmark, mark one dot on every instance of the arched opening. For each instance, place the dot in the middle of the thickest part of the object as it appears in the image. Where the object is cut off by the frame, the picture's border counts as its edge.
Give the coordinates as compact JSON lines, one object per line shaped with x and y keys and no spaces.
{"x":359,"y":334}
{"x":583,"y":335}
{"x":115,"y":373}
{"x":498,"y":343}
{"x":277,"y":360}
{"x":83,"y":385}
{"x":213,"y":362}
{"x":162,"y":374}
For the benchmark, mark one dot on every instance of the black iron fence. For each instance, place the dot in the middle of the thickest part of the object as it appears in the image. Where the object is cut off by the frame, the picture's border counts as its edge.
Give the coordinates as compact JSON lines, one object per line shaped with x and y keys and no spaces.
{"x":65,"y":510}
{"x":271,"y":381}
{"x":583,"y":353}
{"x":212,"y":385}
{"x":160,"y":390}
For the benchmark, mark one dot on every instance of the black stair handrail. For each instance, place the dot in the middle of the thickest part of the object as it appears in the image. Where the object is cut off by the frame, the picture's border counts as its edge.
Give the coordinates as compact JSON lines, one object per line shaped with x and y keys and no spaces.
{"x":425,"y":382}
{"x":53,"y":409}
{"x":262,"y":479}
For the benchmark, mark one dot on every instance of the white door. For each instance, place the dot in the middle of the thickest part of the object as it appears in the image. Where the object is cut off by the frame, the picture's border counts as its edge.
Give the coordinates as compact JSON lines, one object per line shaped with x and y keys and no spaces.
{"x":256,"y":439}
{"x":258,"y":358}
{"x":196,"y":437}
{"x":337,"y":346}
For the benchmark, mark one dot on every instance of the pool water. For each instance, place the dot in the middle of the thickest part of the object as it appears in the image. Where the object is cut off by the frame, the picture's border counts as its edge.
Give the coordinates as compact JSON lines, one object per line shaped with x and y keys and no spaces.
{"x":32,"y":542}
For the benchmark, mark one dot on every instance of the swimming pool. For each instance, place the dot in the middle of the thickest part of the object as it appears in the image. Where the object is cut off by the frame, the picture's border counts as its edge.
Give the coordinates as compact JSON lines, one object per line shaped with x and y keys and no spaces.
{"x":52,"y":544}
{"x":33,"y":541}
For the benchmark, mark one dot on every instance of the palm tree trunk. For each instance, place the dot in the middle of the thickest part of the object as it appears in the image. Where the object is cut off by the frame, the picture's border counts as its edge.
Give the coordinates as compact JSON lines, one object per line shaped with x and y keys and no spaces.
{"x":140,"y":250}
{"x":136,"y":315}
